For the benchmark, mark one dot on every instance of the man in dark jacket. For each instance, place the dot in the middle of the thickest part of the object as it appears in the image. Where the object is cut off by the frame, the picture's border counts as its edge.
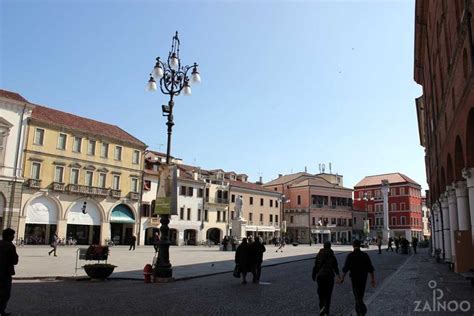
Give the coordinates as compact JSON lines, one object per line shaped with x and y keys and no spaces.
{"x":359,"y":265}
{"x":257,"y":253}
{"x":325,"y":268}
{"x":133,"y":240}
{"x":414,"y":243}
{"x":243,"y":259}
{"x":8,"y":258}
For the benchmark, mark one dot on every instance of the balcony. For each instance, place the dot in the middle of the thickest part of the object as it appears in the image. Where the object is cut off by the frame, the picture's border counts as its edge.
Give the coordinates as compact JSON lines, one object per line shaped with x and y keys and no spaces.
{"x":134,"y":196}
{"x":214,"y":200}
{"x":58,"y":186}
{"x":116,"y":193}
{"x":87,"y":190}
{"x":33,"y":183}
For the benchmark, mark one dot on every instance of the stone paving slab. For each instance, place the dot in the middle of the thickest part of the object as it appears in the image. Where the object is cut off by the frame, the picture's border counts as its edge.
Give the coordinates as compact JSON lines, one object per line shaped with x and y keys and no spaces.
{"x":187,"y":261}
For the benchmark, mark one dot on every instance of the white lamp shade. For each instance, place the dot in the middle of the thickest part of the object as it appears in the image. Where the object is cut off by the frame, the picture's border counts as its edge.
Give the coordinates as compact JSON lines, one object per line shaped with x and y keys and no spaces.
{"x":174,"y":63}
{"x":187,"y":90}
{"x":195,"y":77}
{"x":158,"y":72}
{"x":151,"y":86}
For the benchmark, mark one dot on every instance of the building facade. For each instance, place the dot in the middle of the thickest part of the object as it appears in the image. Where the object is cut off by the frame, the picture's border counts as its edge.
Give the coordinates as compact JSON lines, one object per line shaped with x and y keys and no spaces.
{"x":404,"y":205}
{"x":426,"y":218}
{"x":14,"y":113}
{"x":444,"y":63}
{"x":83,"y":179}
{"x":315,"y":206}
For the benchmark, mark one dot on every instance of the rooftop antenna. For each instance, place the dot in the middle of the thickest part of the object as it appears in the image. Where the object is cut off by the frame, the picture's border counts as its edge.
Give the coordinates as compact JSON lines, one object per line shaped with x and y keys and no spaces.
{"x":330,"y":172}
{"x":319,"y":168}
{"x":323,"y":167}
{"x":305,"y":169}
{"x":159,"y":147}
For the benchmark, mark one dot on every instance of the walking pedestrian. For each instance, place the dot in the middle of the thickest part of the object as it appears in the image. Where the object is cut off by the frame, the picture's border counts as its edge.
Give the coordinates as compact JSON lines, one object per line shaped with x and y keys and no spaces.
{"x":54,"y":244}
{"x":390,"y":242}
{"x":133,"y":240}
{"x":257,"y":250}
{"x":324,"y":270}
{"x":379,"y":244}
{"x":359,"y":266}
{"x":414,"y":243}
{"x":397,"y":244}
{"x":282,"y":245}
{"x":9,"y":258}
{"x":243,"y":259}
{"x":156,"y":241}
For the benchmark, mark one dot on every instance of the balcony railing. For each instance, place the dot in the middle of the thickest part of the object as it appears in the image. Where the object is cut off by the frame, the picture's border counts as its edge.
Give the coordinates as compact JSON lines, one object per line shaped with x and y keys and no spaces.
{"x":58,"y":186}
{"x":134,"y":196}
{"x":87,"y":190}
{"x":116,"y":193}
{"x":216,"y":200}
{"x":33,"y":183}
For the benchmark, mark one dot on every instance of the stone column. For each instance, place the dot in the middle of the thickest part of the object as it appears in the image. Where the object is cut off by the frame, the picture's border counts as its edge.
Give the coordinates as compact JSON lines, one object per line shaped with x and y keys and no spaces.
{"x":453,"y":218}
{"x":468,"y":174}
{"x":104,"y":232}
{"x":434,"y":227}
{"x":386,"y":230}
{"x":62,"y":228}
{"x":446,"y":227}
{"x":464,"y":218}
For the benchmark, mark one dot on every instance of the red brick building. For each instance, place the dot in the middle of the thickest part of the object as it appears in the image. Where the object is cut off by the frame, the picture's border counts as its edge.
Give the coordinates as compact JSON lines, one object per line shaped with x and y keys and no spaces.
{"x":404,"y":203}
{"x":444,"y":63}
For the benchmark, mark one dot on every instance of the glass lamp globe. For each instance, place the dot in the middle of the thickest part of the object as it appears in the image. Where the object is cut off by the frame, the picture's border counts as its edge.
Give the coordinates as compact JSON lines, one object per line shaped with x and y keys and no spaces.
{"x":187,"y":90}
{"x":158,"y":72}
{"x":151,"y":86}
{"x":174,"y":62}
{"x":195,"y":77}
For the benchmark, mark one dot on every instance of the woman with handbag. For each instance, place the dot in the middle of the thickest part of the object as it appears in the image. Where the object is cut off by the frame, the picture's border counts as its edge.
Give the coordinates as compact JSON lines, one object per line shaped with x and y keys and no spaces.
{"x":243,"y":259}
{"x":324,"y":270}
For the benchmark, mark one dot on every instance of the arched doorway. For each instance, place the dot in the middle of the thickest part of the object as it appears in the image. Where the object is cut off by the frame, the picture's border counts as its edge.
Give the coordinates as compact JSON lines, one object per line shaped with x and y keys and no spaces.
{"x":122,"y":221}
{"x":149,"y":234}
{"x":84,"y":226}
{"x":190,"y":237}
{"x":174,"y":236}
{"x":41,"y":221}
{"x":214,"y":235}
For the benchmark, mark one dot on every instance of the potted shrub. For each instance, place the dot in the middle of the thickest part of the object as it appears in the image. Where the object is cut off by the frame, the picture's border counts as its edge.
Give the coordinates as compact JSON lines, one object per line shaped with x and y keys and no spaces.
{"x":98,"y":270}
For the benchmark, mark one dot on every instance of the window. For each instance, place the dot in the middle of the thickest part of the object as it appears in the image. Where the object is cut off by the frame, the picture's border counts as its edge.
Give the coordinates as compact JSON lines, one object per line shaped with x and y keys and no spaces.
{"x":232,"y":198}
{"x":393,"y":191}
{"x":147,"y":185}
{"x":118,"y":153}
{"x":182,"y":190}
{"x":134,"y":185}
{"x":299,"y":199}
{"x":402,"y":220}
{"x":276,"y":203}
{"x":276,"y":219}
{"x":200,"y":192}
{"x":261,"y":202}
{"x":232,"y":214}
{"x":188,"y":214}
{"x":75,"y":176}
{"x":369,"y":208}
{"x":91,"y":147}
{"x":394,"y":221}
{"x":271,"y":203}
{"x":291,"y":219}
{"x":393,"y":206}
{"x":3,"y":137}
{"x":261,"y":218}
{"x":116,"y":183}
{"x":89,"y":178}
{"x":136,"y":157}
{"x":250,"y":217}
{"x":181,"y":213}
{"x":35,"y":170}
{"x":402,"y":191}
{"x":58,"y":174}
{"x":355,"y":220}
{"x":190,"y":191}
{"x":271,"y":218}
{"x":39,"y":136}
{"x":102,"y":179}
{"x":218,"y":216}
{"x":402,"y":206}
{"x":76,"y":146}
{"x":314,"y":221}
{"x":199,"y":214}
{"x":62,"y":138}
{"x":224,"y":216}
{"x":206,"y":216}
{"x":104,"y":150}
{"x":251,"y":200}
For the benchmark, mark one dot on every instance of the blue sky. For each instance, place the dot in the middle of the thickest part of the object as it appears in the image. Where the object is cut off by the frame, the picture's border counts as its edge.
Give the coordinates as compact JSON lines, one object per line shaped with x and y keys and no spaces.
{"x":284,"y":84}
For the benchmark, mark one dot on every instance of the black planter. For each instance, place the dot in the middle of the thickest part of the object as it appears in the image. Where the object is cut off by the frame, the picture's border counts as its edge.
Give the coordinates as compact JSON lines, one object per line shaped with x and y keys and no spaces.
{"x":99,"y":271}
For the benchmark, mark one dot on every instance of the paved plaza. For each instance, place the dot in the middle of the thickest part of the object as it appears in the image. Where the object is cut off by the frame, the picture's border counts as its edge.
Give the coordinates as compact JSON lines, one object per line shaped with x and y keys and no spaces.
{"x":187,"y":261}
{"x":286,"y":288}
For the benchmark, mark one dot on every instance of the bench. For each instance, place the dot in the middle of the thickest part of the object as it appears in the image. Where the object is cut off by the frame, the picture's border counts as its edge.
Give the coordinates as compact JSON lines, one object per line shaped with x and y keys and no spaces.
{"x":469,"y":276}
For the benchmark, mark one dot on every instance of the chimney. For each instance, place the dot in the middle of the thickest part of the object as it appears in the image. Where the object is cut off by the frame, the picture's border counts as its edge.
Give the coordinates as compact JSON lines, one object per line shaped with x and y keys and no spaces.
{"x":260,"y":181}
{"x":280,"y":175}
{"x":195,"y":175}
{"x":177,"y":172}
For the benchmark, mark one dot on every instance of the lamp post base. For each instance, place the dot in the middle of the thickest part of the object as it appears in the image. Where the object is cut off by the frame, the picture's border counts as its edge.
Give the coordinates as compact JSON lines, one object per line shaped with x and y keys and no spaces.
{"x":163,"y":267}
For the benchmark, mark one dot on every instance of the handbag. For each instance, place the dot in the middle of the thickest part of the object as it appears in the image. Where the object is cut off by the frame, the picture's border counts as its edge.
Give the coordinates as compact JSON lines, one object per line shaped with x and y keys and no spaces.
{"x":236,"y":272}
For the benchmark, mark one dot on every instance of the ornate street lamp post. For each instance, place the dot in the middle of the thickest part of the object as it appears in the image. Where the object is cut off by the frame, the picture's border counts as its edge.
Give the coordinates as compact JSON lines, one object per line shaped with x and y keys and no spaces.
{"x":173,"y":79}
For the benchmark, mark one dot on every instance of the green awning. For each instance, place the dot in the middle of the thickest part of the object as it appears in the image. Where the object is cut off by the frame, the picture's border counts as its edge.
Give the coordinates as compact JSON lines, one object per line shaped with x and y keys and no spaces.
{"x":122,"y":214}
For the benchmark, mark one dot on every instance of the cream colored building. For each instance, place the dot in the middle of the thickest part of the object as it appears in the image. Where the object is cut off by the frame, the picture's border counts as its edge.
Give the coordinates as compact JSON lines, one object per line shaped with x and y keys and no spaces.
{"x":14,"y":113}
{"x":83,"y":180}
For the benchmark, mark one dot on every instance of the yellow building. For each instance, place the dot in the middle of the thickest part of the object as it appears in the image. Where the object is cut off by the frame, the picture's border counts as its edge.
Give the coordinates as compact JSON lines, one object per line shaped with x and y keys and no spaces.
{"x":83,"y":180}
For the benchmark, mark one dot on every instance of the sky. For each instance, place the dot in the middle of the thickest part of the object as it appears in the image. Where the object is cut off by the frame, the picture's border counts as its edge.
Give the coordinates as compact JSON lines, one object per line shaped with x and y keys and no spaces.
{"x":286,"y":85}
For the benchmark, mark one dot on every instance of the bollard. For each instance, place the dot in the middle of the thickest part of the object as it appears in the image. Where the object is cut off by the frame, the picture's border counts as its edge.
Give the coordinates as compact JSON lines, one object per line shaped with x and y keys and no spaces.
{"x":147,"y":272}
